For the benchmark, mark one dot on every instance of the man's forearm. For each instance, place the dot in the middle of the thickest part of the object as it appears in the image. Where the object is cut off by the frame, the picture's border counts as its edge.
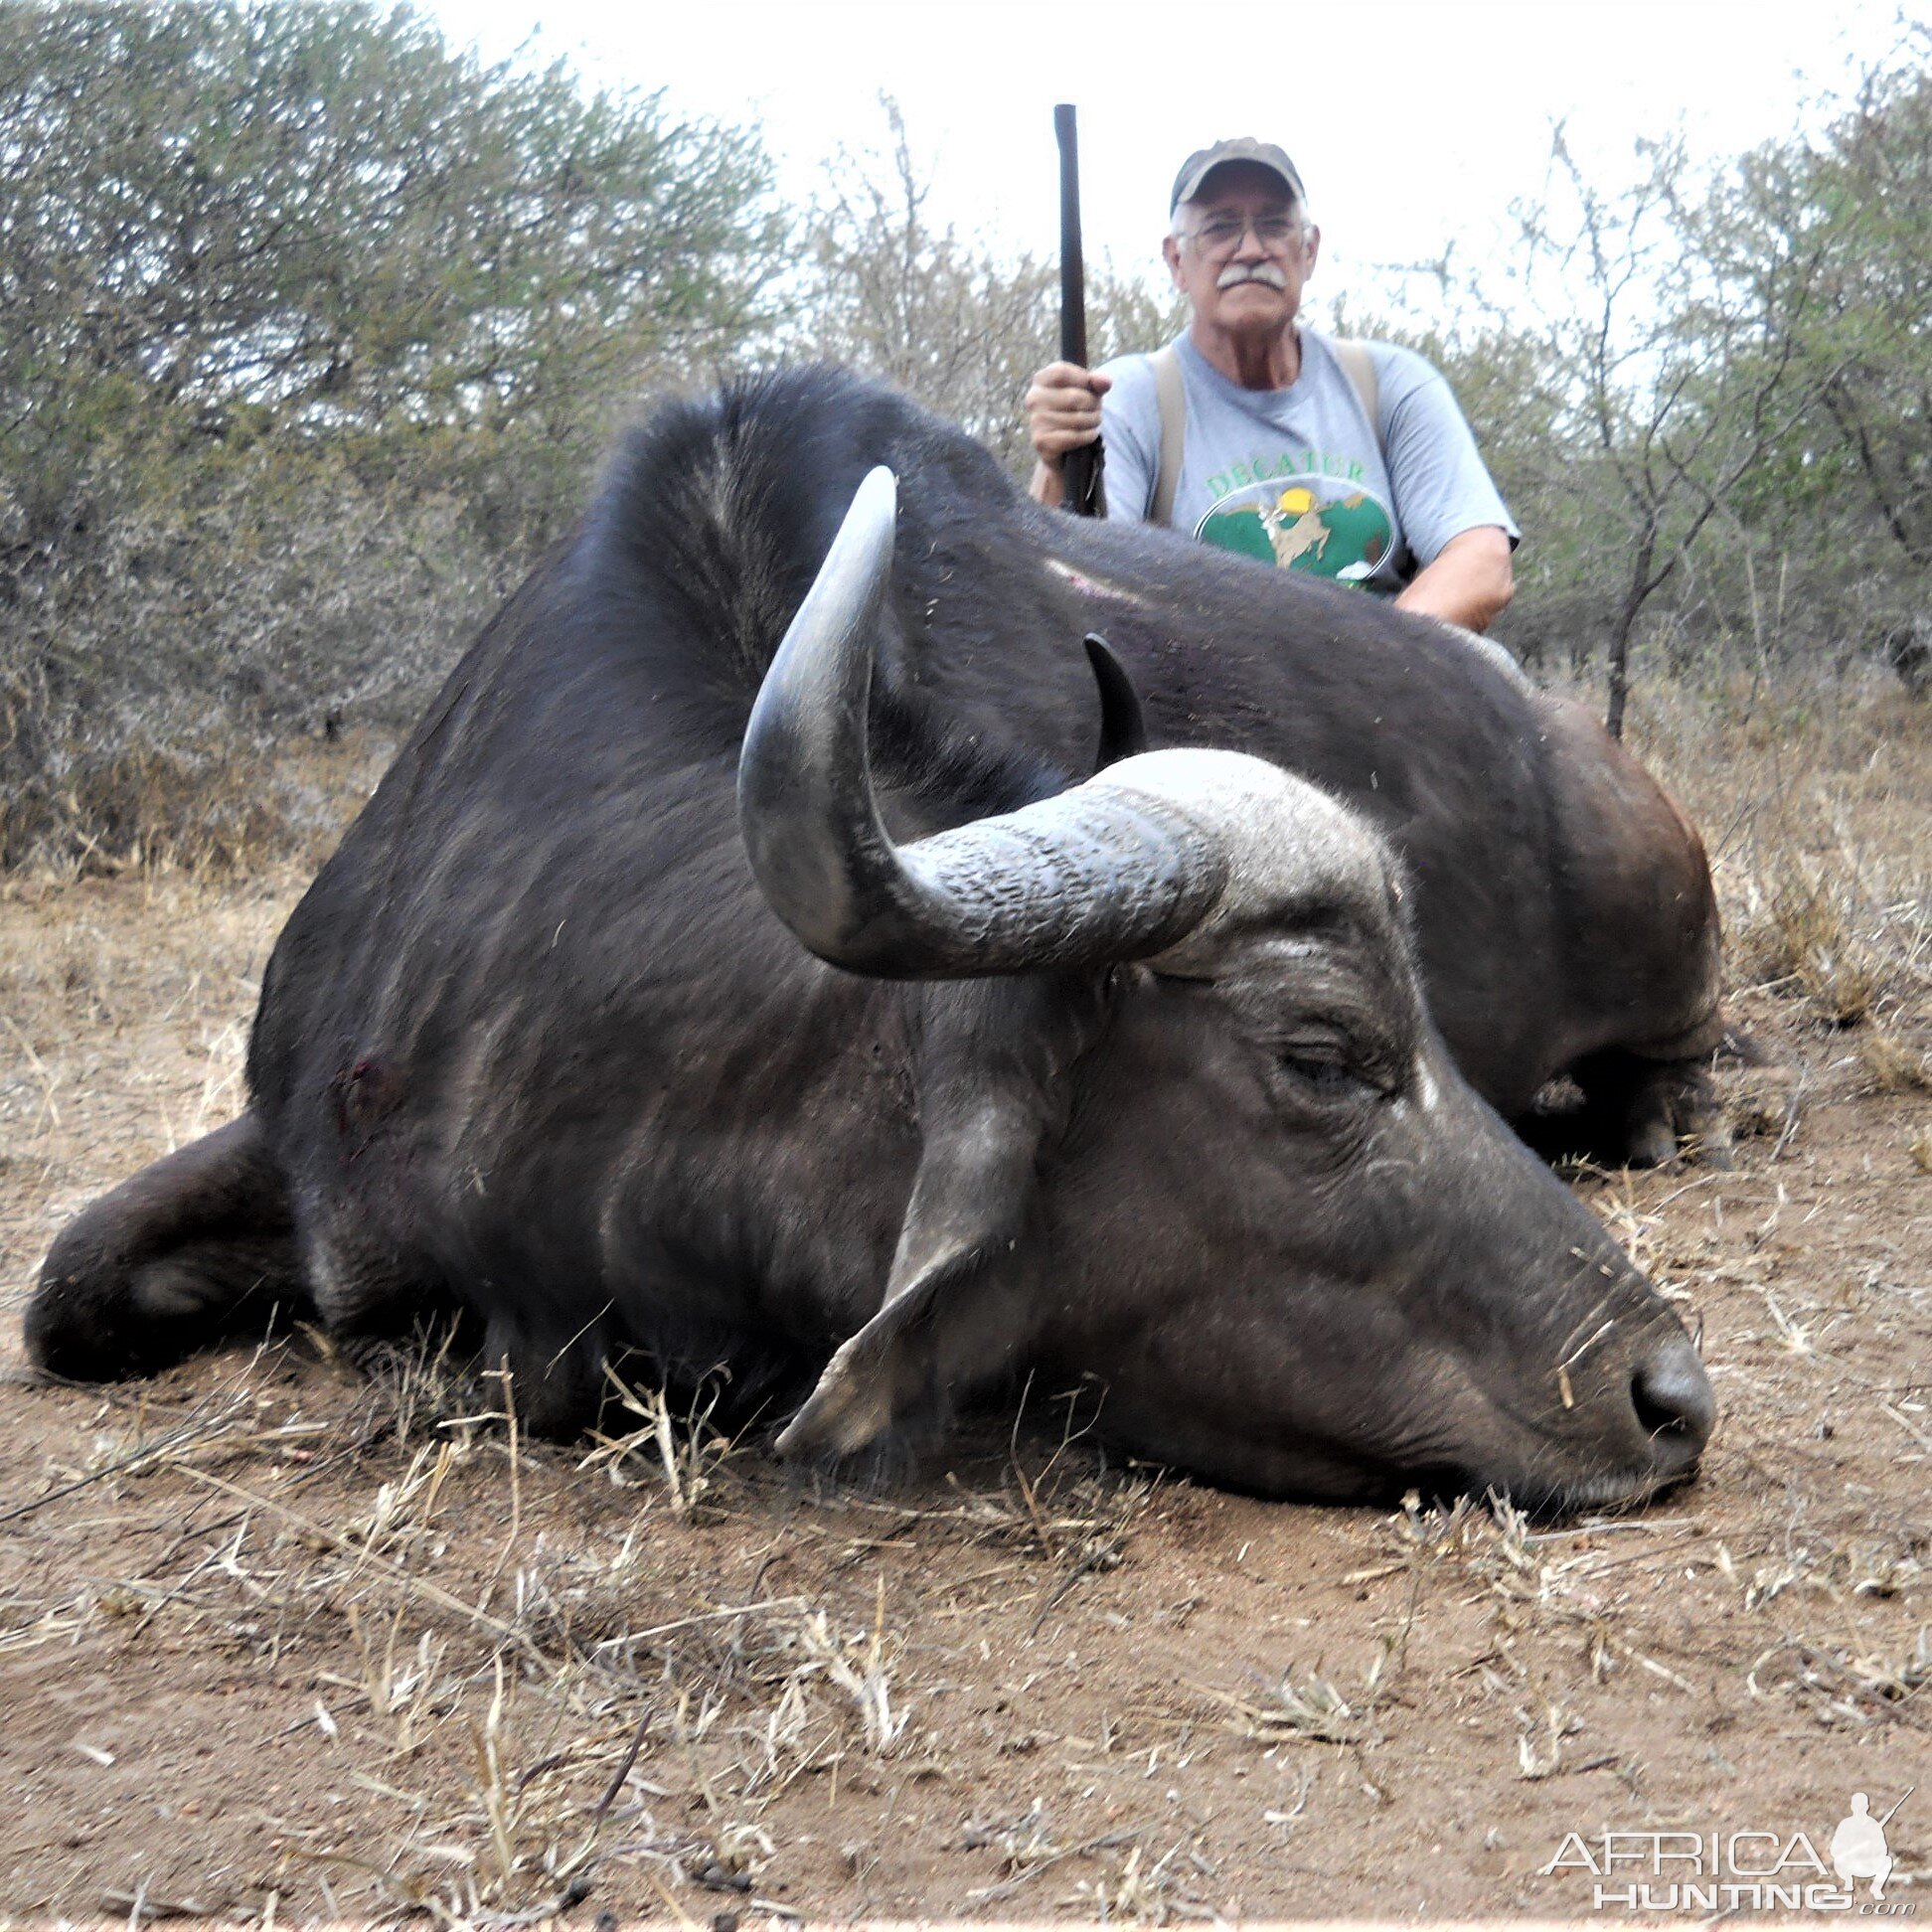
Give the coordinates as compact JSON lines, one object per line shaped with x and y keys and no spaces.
{"x":1469,"y":581}
{"x":1047,"y":486}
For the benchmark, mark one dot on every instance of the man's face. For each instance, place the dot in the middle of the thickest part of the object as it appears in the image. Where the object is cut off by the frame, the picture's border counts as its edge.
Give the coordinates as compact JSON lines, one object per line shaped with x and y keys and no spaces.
{"x":1243,"y":251}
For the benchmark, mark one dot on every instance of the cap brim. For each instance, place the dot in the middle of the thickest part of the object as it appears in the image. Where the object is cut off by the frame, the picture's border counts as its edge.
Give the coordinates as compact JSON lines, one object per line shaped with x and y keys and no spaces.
{"x":1198,"y":179}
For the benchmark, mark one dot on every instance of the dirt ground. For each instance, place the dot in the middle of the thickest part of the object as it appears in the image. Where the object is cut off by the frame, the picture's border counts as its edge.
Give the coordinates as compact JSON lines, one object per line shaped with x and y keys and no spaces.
{"x":278,"y":1640}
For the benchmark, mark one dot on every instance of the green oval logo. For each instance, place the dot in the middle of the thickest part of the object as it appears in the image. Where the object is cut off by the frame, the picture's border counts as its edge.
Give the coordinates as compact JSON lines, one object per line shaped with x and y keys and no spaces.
{"x":1304,"y":522}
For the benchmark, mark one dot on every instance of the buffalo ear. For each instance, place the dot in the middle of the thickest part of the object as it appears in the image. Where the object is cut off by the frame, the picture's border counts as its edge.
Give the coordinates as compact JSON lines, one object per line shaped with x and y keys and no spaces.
{"x":959,"y":1303}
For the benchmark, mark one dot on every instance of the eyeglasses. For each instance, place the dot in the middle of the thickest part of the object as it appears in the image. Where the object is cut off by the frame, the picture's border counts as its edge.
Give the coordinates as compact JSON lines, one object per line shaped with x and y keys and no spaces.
{"x":1222,"y":235}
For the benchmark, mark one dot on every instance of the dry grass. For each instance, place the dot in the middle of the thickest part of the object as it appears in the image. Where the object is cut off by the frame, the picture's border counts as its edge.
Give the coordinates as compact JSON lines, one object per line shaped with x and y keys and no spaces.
{"x":1891,"y":1066}
{"x":520,"y":1737}
{"x":512,"y":1745}
{"x":231,"y":807}
{"x":1310,"y":1712}
{"x":675,"y":1442}
{"x":1800,"y":933}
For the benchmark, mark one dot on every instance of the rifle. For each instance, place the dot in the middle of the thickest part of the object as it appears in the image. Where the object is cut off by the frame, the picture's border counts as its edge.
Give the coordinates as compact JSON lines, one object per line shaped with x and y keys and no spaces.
{"x":1086,"y":493}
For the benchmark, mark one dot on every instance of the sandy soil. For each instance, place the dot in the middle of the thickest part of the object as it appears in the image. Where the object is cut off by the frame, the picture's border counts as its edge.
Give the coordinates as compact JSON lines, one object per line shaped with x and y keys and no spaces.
{"x":277,"y":1637}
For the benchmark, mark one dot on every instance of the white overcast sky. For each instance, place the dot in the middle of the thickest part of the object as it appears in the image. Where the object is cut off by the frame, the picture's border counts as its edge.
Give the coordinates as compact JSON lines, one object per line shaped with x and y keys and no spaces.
{"x":1412,"y":125}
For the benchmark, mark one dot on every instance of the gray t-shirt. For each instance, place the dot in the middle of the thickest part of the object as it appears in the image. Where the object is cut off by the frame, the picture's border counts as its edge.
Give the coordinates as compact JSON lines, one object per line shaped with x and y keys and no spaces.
{"x":1295,"y":476}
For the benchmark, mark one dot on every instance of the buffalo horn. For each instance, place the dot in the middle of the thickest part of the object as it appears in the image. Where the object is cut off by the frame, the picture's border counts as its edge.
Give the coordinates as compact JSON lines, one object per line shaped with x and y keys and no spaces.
{"x":1098,"y":873}
{"x":1123,"y":728}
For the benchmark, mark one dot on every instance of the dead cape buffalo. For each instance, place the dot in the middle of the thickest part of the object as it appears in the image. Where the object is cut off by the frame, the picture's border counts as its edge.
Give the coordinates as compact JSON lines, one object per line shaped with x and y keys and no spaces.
{"x":1127,"y":1075}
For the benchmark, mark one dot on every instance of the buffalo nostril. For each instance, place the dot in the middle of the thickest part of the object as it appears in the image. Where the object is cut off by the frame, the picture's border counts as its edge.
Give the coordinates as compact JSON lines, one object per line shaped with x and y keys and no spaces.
{"x":1675,"y":1407}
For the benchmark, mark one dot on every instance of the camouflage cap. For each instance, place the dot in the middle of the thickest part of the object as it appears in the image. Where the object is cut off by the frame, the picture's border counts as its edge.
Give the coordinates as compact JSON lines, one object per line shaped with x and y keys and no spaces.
{"x":1195,"y":169}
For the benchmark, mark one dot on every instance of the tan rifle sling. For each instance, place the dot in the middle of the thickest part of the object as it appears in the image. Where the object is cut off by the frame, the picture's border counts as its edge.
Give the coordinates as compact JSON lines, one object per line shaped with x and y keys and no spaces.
{"x":1172,"y":395}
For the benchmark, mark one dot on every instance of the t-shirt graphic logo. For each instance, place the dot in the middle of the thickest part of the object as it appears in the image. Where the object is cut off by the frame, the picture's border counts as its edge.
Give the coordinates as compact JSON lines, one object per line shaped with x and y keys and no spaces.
{"x":1328,"y":525}
{"x":1858,"y":1846}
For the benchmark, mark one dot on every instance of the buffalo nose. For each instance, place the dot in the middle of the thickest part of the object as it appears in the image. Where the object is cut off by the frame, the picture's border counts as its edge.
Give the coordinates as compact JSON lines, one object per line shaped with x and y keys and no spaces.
{"x":1674,"y":1404}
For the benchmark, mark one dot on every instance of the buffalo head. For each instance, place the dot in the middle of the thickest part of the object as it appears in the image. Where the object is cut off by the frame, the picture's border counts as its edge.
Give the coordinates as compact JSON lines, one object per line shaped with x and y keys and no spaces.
{"x":1187,"y":1128}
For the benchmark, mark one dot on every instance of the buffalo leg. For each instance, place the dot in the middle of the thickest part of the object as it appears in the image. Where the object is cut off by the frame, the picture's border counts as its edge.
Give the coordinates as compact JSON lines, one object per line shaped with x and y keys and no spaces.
{"x":559,"y":1390}
{"x":1639,"y":1112}
{"x":194,"y":1249}
{"x":369,"y":1291}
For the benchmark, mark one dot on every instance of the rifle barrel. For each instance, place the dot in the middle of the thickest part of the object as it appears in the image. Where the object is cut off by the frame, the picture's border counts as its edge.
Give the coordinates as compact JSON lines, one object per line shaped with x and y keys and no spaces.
{"x":1085,"y":494}
{"x":1073,"y":347}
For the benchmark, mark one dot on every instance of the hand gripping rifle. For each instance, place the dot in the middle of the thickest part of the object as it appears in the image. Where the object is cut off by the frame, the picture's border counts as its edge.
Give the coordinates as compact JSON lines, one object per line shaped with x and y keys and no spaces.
{"x":1086,"y":493}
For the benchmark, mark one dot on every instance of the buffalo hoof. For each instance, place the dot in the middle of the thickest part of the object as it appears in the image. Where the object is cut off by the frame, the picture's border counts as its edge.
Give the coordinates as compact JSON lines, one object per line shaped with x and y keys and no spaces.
{"x":1672,"y":1111}
{"x":1623,"y":1111}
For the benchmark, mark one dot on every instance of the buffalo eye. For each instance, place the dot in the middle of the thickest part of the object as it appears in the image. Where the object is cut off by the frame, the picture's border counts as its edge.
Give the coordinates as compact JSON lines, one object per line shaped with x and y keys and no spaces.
{"x":1325,"y":1071}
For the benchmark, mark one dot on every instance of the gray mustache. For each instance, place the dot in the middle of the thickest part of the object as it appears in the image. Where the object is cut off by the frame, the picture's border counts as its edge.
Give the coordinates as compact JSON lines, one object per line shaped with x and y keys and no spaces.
{"x":1262,"y":271}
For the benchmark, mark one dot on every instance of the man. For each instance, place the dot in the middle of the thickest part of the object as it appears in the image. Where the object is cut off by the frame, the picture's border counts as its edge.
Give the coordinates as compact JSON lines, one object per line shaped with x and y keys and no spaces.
{"x":1352,"y":461}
